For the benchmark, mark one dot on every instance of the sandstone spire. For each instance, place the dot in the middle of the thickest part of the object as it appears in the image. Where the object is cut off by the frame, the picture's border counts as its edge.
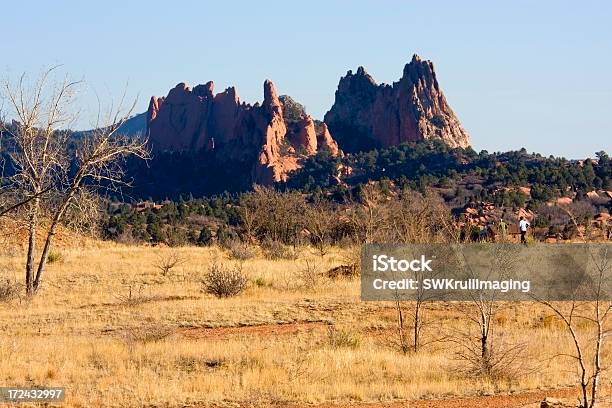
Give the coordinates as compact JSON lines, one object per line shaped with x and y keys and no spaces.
{"x":366,"y":115}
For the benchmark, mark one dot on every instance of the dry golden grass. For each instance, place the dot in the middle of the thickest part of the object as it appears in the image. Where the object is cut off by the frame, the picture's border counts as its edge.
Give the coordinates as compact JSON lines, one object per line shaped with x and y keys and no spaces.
{"x":160,"y":346}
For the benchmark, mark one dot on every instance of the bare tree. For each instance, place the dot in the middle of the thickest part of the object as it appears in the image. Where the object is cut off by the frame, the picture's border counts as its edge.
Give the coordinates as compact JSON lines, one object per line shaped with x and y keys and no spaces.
{"x":418,"y":219}
{"x":272,"y":215}
{"x":410,"y":218}
{"x":486,"y":357}
{"x":166,"y":262}
{"x":369,"y":217}
{"x":43,"y":158}
{"x":319,"y":220}
{"x":580,"y":212}
{"x":248,"y":210}
{"x":596,"y":314}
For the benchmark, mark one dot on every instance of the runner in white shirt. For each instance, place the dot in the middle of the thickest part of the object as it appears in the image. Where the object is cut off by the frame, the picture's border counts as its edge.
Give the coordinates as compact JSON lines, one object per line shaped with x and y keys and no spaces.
{"x":523,"y":225}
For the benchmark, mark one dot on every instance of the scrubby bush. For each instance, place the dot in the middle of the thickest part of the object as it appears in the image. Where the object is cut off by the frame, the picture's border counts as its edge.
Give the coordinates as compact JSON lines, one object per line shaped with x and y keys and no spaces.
{"x":240,"y":251}
{"x":9,"y":290}
{"x":223,"y":281}
{"x":275,"y":250}
{"x":343,"y":272}
{"x":310,"y":275}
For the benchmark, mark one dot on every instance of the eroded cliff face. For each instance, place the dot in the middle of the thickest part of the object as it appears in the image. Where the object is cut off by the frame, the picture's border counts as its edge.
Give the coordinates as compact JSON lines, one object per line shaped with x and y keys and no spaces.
{"x":366,"y":115}
{"x":196,"y":119}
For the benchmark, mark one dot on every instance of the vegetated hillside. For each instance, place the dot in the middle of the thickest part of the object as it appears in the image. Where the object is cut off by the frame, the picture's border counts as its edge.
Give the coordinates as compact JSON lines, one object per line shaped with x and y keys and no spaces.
{"x":417,"y":166}
{"x":461,"y":174}
{"x":477,"y":188}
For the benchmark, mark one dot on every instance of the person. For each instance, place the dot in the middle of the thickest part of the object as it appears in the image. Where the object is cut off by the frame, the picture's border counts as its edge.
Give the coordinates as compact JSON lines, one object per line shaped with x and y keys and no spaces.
{"x":503,"y":227}
{"x":523,"y":225}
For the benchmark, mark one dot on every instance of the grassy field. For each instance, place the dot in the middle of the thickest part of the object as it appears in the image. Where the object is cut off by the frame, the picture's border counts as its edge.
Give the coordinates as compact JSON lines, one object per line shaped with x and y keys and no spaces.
{"x":112,"y":329}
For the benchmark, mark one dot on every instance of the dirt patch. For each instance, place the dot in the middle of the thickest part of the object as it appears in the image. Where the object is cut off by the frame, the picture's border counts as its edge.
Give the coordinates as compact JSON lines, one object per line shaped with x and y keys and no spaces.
{"x":530,"y":399}
{"x":255,"y":330}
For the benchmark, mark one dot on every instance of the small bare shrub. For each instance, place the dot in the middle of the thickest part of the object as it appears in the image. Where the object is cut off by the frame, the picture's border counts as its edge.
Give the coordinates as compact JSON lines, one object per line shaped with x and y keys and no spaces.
{"x":9,"y":290}
{"x":223,"y":281}
{"x":261,"y":282}
{"x":240,"y":251}
{"x":343,"y":272}
{"x":146,"y":334}
{"x":504,"y":361}
{"x":165,"y":263}
{"x":135,"y":296}
{"x":309,"y":276}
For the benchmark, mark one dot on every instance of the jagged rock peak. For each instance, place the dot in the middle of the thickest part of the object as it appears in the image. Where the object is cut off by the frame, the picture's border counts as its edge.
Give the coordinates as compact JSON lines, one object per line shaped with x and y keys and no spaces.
{"x":418,"y":70}
{"x":360,"y":78}
{"x":270,"y":95}
{"x":205,"y":90}
{"x":366,"y":115}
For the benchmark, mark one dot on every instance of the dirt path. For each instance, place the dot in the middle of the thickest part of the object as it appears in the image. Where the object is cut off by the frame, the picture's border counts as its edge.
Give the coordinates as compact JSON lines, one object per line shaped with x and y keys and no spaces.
{"x":530,"y":399}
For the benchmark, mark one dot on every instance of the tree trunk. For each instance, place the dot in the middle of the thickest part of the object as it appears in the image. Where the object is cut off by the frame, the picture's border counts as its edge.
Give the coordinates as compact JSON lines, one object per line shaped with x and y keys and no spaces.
{"x":484,"y":343}
{"x":51,"y":233}
{"x":43,"y":259}
{"x":417,"y":322}
{"x":597,"y":362}
{"x":33,"y":223}
{"x":400,"y":326}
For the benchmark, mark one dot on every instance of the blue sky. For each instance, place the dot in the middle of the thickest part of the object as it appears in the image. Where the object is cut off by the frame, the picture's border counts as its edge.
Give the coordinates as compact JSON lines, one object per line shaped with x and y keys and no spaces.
{"x":533,"y":74}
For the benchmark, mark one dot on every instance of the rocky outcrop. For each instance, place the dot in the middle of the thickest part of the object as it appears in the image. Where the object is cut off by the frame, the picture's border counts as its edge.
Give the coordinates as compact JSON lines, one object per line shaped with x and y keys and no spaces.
{"x":271,"y":166}
{"x":197,"y":120}
{"x":306,"y":136}
{"x":273,"y":138}
{"x":179,"y":114}
{"x":366,"y":115}
{"x":325,"y":141}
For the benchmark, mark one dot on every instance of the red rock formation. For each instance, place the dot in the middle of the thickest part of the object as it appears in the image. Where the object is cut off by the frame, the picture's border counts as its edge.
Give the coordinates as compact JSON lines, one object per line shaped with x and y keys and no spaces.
{"x":307,"y":136}
{"x":198,"y":120}
{"x":181,"y":115}
{"x":269,"y":167}
{"x":325,"y":141}
{"x":366,"y":115}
